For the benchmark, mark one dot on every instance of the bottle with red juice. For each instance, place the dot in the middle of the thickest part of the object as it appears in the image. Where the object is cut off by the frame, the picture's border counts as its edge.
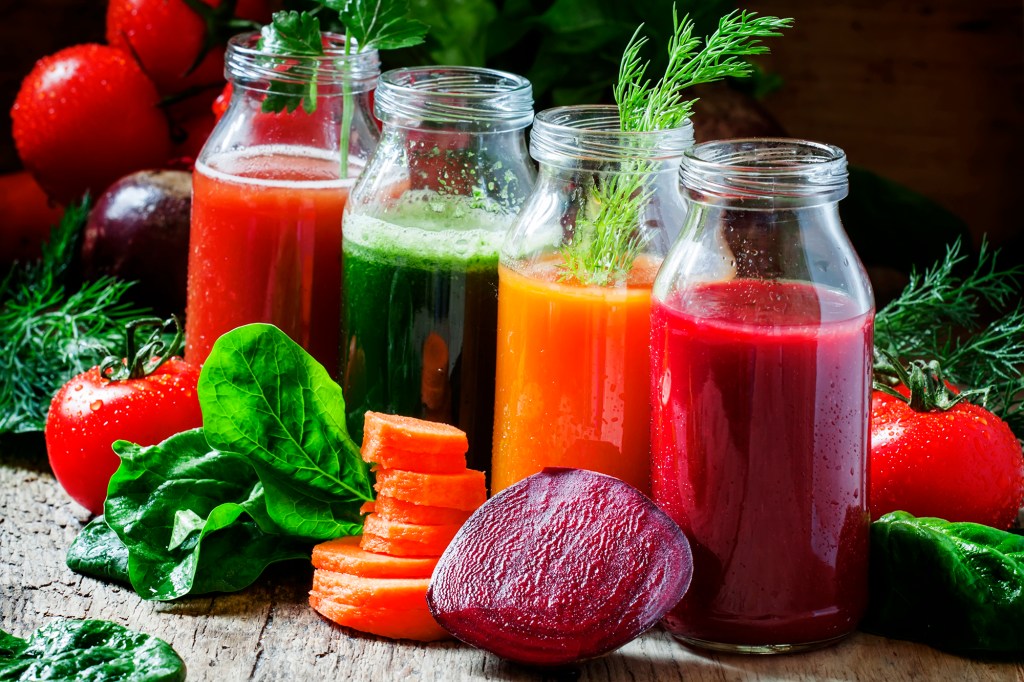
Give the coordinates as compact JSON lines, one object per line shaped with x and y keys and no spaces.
{"x":269,"y":191}
{"x":761,"y":346}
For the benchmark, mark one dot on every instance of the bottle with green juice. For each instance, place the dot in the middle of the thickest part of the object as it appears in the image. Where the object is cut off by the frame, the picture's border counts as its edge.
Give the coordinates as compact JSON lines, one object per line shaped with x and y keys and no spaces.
{"x":422,"y":231}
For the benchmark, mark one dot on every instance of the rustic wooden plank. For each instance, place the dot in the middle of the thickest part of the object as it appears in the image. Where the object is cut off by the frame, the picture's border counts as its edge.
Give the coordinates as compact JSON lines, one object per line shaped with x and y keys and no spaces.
{"x":926,"y":92}
{"x":268,"y":632}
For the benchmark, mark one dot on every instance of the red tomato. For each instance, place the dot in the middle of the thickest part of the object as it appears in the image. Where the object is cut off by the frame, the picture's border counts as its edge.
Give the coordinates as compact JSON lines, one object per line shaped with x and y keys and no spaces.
{"x":963,"y":464}
{"x":168,"y":37}
{"x":28,"y":216}
{"x":85,"y":117}
{"x":89,"y":413}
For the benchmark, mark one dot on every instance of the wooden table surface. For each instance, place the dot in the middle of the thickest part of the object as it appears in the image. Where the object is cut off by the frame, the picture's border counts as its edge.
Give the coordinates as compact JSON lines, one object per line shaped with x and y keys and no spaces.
{"x":268,"y":631}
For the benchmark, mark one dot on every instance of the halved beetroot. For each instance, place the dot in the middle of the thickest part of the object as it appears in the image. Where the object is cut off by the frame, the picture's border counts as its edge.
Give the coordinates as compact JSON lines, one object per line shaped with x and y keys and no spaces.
{"x":565,"y":565}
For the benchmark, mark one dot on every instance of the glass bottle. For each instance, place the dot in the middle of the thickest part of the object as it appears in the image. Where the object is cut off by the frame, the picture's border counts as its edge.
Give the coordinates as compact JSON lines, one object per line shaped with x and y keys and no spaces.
{"x":762,"y":320}
{"x":573,"y":344}
{"x":268,"y":195}
{"x":420,"y":249}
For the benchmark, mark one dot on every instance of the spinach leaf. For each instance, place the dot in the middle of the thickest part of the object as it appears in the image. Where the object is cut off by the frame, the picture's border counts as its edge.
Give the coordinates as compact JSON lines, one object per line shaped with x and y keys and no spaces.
{"x":954,"y":586}
{"x":94,"y":650}
{"x":270,"y":403}
{"x":97,"y":551}
{"x":192,"y":518}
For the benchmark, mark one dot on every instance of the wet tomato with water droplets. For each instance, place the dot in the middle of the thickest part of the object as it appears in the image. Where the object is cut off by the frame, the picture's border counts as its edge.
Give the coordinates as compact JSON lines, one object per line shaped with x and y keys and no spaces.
{"x":90,"y":412}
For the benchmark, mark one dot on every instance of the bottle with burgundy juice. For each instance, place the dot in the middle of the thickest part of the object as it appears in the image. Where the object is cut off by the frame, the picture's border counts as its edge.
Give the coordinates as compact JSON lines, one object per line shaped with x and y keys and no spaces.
{"x":761,"y":339}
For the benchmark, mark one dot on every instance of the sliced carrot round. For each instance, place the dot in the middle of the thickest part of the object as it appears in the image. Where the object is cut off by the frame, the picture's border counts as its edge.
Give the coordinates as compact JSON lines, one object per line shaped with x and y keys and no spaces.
{"x":405,"y":539}
{"x":400,"y":511}
{"x":391,"y":432}
{"x":344,"y":555}
{"x":424,"y":462}
{"x":415,"y":624}
{"x":464,"y":491}
{"x":374,"y":593}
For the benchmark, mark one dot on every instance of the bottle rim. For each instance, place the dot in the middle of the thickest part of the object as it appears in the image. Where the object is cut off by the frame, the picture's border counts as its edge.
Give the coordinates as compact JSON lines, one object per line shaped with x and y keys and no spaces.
{"x":497,"y":100}
{"x":246,"y":64}
{"x":765,"y":168}
{"x":568,"y":135}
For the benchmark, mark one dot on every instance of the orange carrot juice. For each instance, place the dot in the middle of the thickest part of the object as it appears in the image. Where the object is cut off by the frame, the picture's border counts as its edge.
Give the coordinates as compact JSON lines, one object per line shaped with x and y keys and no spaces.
{"x":265,"y":246}
{"x":573,"y":385}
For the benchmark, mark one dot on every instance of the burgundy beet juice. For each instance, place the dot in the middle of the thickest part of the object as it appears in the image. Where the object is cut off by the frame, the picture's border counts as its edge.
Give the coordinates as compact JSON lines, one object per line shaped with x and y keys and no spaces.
{"x":760,"y":387}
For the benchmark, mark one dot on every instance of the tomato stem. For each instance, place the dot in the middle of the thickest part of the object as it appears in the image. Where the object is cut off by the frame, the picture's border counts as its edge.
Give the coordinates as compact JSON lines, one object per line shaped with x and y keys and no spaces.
{"x":928,"y":389}
{"x":144,"y":360}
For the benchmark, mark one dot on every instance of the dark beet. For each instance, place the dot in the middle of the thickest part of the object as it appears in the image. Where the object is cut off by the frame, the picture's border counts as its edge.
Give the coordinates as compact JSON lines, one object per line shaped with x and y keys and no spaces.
{"x":566,"y":565}
{"x":138,"y":230}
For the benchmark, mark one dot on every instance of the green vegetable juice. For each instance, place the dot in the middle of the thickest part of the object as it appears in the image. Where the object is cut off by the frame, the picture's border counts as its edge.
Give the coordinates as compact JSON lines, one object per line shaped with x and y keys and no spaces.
{"x":419,"y":315}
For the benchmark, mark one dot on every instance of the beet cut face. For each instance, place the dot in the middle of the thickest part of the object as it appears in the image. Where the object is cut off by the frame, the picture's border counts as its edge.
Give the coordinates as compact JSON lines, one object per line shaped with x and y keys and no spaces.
{"x":565,"y":565}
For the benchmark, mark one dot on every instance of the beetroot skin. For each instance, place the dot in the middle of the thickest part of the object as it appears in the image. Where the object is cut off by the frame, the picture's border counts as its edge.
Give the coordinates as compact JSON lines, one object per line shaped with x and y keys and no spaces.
{"x":563,"y":566}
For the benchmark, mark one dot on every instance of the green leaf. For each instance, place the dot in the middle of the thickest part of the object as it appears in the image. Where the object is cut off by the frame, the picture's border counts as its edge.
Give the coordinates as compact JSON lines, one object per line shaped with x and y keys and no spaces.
{"x":290,"y":35}
{"x":97,"y":551}
{"x":193,"y":519}
{"x":268,"y":401}
{"x":379,"y":24}
{"x":955,"y":586}
{"x":94,"y":650}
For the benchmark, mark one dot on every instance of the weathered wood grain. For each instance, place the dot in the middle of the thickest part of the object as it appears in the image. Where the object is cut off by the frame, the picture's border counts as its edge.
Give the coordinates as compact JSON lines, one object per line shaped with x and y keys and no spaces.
{"x":268,"y":632}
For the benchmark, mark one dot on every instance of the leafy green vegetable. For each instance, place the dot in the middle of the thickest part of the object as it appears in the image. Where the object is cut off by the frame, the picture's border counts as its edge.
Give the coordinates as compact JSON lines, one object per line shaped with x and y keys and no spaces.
{"x":378,"y":24}
{"x":938,"y":318}
{"x":606,"y":243}
{"x":267,"y":400}
{"x":272,"y":471}
{"x":94,"y":650}
{"x":51,"y":330}
{"x":97,"y":551}
{"x":290,"y":35}
{"x":193,"y":519}
{"x":955,"y":586}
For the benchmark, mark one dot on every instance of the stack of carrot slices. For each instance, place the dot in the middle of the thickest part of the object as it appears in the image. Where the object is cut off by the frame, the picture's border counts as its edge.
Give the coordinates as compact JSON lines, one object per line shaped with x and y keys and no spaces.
{"x":377,"y":583}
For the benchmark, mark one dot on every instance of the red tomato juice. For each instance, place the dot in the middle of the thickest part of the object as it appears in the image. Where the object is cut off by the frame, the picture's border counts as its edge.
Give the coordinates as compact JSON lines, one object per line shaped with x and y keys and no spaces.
{"x":760,"y":404}
{"x":265,"y":246}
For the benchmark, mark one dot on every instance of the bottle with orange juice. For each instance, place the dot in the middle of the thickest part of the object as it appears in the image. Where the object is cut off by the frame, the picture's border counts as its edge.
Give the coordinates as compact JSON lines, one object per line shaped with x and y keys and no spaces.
{"x":574,"y":292}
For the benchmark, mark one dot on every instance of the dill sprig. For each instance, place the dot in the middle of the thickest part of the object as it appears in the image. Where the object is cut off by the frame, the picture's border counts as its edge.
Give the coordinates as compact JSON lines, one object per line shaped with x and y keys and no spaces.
{"x":643,"y":106}
{"x":939,"y":317}
{"x":604,"y":247}
{"x":51,"y":332}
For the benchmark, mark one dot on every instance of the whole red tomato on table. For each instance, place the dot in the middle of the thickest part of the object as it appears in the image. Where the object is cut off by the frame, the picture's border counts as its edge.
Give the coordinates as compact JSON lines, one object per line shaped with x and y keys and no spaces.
{"x":144,"y":399}
{"x":935,"y":454}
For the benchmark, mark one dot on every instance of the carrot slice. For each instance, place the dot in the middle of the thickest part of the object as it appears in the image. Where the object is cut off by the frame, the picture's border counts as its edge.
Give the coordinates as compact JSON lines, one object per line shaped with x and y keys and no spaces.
{"x":374,"y":593}
{"x":344,"y":555}
{"x":393,"y":432}
{"x":464,"y":491}
{"x":424,"y":462}
{"x":415,"y":624}
{"x":405,"y":539}
{"x":399,"y":511}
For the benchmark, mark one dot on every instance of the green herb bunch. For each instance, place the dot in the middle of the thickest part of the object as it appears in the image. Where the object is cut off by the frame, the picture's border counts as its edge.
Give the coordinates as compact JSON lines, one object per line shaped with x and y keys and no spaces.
{"x":606,"y":244}
{"x":51,"y":330}
{"x":369,"y":25}
{"x":939,"y":318}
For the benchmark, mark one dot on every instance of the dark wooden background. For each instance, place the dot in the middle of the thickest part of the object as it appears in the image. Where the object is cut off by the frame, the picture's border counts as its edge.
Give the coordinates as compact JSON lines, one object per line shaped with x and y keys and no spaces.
{"x":929,"y":93}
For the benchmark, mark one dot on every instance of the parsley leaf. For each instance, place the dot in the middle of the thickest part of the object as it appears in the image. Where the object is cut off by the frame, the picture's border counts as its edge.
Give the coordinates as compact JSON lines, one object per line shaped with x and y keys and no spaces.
{"x":290,"y":35}
{"x":379,"y":24}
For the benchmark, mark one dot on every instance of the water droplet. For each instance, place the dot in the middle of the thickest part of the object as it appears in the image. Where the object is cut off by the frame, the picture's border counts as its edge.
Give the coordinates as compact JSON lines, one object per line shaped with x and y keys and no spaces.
{"x":79,"y":387}
{"x":95,"y":405}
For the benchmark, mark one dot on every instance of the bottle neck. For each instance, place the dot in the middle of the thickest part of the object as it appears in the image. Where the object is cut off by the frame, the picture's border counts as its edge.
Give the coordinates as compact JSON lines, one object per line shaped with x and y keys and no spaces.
{"x":588,"y":138}
{"x":454,"y":99}
{"x":334,"y":73}
{"x":765,"y":174}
